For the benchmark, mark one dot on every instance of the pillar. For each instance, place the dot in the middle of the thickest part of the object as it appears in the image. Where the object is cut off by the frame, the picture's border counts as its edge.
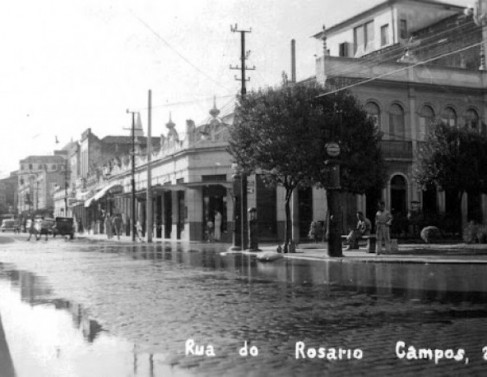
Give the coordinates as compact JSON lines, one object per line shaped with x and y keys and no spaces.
{"x":295,"y":215}
{"x":175,"y":215}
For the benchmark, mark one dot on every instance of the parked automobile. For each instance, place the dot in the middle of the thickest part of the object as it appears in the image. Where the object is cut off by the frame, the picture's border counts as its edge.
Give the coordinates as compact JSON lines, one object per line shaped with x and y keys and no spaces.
{"x":10,"y":226}
{"x":63,"y":226}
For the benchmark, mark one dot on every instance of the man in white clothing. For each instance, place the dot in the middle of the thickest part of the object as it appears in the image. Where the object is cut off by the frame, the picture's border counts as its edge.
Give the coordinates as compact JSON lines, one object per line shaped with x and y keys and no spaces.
{"x":383,"y":221}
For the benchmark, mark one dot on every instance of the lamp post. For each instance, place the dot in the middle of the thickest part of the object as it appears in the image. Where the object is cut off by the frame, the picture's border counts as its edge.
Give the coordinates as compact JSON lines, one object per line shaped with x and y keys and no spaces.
{"x":66,"y":188}
{"x":332,"y":166}
{"x":253,"y":238}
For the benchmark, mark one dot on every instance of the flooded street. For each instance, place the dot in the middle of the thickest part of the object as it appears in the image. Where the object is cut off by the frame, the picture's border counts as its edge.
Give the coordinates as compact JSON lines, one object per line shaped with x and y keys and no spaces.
{"x":87,"y":308}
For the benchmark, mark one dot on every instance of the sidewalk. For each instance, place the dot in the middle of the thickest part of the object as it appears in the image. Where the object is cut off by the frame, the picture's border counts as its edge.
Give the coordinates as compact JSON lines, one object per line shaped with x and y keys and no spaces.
{"x":407,"y":253}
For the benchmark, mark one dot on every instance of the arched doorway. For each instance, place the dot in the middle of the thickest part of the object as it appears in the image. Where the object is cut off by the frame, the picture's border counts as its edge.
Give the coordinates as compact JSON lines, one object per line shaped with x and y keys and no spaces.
{"x":398,"y":194}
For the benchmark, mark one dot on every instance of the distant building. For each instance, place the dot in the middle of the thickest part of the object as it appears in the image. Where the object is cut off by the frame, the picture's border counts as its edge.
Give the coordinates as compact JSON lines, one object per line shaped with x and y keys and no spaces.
{"x":90,"y":161}
{"x":38,"y":178}
{"x":8,"y":194}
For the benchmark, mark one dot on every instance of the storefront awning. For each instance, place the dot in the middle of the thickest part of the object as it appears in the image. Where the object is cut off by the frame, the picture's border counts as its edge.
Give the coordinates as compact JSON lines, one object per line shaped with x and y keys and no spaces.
{"x":111,"y":188}
{"x":209,"y":183}
{"x":175,"y":187}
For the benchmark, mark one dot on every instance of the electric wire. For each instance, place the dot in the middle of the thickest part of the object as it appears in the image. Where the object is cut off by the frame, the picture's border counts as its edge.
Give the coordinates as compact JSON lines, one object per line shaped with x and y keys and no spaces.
{"x":194,"y":66}
{"x":383,"y":58}
{"x":365,"y":81}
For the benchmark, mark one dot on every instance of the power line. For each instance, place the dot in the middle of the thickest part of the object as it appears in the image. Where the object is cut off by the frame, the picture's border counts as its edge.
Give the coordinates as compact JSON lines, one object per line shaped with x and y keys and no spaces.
{"x":400,"y":69}
{"x":186,"y":102}
{"x":391,"y":54}
{"x":177,"y":52}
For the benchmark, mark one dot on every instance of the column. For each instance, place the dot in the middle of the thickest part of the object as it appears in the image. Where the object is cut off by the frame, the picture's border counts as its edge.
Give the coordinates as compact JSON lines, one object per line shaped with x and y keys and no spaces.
{"x":295,"y":215}
{"x":175,"y":215}
{"x":194,"y":202}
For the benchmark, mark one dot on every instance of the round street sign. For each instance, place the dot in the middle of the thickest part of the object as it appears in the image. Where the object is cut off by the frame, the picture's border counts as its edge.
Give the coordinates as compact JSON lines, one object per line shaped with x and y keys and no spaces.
{"x":333,"y":149}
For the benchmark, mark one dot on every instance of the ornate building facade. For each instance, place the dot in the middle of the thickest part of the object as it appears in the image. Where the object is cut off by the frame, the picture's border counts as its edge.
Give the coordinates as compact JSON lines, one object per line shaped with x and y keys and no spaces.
{"x":410,"y":62}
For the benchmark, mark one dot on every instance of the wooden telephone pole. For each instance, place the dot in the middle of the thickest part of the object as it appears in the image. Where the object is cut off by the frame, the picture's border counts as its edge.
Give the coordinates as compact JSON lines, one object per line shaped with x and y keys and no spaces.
{"x":243,"y":175}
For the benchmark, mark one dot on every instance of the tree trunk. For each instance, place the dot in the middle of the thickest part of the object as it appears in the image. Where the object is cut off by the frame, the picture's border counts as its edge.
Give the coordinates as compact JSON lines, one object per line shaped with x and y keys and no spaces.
{"x":288,"y":227}
{"x":461,"y":224}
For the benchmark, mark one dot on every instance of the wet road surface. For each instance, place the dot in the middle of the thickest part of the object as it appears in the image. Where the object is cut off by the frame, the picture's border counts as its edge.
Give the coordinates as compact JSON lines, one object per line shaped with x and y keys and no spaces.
{"x":86,"y":308}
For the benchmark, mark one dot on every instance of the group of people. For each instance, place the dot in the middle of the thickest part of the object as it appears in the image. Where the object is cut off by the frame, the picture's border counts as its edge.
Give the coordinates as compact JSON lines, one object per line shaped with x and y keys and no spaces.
{"x":383,"y":222}
{"x":113,"y":225}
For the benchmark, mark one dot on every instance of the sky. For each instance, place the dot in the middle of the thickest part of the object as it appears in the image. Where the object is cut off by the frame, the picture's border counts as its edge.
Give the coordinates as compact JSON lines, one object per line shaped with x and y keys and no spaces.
{"x":69,"y":65}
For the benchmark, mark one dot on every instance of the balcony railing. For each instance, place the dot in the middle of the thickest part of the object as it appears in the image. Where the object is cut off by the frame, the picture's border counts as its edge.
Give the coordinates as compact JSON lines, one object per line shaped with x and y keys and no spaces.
{"x":397,"y":149}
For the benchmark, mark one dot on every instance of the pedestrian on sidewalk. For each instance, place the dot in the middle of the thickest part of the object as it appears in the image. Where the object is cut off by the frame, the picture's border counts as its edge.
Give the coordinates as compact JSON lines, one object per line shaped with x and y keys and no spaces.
{"x":218,"y":226}
{"x":210,"y":226}
{"x":383,"y":221}
{"x":108,"y":226}
{"x":33,"y":230}
{"x":117,"y":224}
{"x":363,"y":228}
{"x":138,"y":231}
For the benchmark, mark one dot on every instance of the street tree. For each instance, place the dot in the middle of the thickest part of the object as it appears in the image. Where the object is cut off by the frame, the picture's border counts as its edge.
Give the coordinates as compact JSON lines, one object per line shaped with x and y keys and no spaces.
{"x":281,"y":133}
{"x":454,"y":159}
{"x":273,"y":133}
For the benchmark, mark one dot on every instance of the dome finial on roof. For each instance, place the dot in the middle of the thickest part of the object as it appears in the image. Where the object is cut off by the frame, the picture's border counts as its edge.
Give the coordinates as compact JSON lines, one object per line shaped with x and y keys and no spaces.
{"x":170,"y":124}
{"x":214,"y":112}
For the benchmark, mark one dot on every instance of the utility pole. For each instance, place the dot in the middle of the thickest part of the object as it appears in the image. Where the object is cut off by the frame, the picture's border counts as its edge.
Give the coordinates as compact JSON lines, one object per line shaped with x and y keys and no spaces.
{"x":243,"y":175}
{"x":133,"y":173}
{"x":149,"y":172}
{"x":66,"y":187}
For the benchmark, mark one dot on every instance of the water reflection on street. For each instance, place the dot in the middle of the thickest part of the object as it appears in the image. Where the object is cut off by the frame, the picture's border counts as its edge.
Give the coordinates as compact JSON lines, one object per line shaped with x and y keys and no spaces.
{"x":112,"y":310}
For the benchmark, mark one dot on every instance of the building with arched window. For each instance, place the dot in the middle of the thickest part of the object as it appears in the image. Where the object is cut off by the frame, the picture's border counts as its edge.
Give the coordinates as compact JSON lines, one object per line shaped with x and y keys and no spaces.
{"x":420,"y":65}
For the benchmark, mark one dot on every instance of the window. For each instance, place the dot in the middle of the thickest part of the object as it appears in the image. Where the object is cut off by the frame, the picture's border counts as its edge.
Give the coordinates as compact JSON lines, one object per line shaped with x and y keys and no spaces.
{"x":384,"y":35}
{"x":363,"y":37}
{"x":30,"y":166}
{"x":373,"y":112}
{"x":343,"y":49}
{"x":403,"y":29}
{"x":396,"y":122}
{"x":472,"y":120}
{"x":426,"y":118}
{"x":359,"y":39}
{"x":369,"y":35}
{"x":53,"y":167}
{"x":449,"y":117}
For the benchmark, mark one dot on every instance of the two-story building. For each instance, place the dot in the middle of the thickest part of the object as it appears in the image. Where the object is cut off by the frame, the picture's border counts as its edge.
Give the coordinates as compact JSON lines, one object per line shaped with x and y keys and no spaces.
{"x":38,"y":178}
{"x":410,"y":62}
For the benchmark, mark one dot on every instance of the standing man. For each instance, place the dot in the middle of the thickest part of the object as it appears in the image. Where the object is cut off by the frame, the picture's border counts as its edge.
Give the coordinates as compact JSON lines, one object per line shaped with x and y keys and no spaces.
{"x":117,"y":224}
{"x":383,"y":221}
{"x":218,"y":226}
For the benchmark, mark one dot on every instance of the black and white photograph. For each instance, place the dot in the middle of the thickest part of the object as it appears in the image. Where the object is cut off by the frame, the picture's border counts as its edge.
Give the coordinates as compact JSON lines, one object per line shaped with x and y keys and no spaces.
{"x":243,"y":188}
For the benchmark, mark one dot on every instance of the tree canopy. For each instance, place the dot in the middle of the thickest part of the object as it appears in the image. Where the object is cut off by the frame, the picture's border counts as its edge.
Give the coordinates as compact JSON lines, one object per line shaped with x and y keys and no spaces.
{"x":454,"y":159}
{"x":282,"y":132}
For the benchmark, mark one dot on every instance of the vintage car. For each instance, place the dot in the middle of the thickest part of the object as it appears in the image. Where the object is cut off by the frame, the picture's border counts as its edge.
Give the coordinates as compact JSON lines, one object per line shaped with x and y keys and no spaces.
{"x":44,"y":226}
{"x":64,"y":226}
{"x":10,"y":225}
